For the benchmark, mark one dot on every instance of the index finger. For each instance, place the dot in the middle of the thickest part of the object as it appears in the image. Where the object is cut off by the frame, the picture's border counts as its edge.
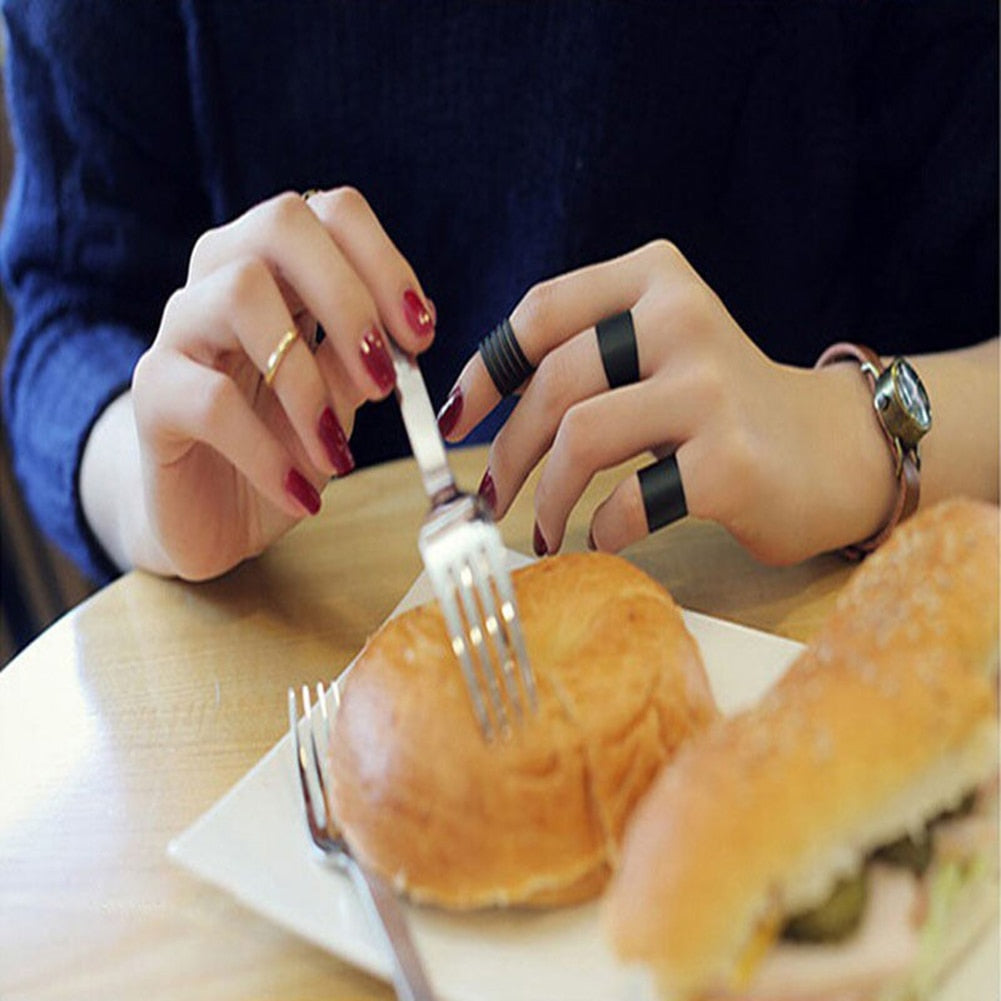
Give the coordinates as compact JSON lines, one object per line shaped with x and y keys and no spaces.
{"x":386,"y":273}
{"x":549,"y":314}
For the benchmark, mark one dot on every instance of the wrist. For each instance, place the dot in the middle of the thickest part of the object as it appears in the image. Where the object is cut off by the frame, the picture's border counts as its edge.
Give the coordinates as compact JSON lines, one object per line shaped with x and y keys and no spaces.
{"x":861,"y":463}
{"x":111,"y":491}
{"x":900,"y":410}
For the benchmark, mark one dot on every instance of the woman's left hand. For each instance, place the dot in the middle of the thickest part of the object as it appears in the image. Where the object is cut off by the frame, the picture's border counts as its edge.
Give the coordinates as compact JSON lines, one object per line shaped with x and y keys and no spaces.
{"x":791,"y":461}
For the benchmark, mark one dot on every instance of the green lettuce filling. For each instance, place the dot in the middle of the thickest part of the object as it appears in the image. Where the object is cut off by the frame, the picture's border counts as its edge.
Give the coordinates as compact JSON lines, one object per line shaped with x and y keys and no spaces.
{"x":950,"y":884}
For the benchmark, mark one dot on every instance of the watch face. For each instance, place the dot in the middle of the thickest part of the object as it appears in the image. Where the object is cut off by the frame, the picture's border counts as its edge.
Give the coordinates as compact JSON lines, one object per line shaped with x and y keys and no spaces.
{"x":903,"y":403}
{"x":912,"y":395}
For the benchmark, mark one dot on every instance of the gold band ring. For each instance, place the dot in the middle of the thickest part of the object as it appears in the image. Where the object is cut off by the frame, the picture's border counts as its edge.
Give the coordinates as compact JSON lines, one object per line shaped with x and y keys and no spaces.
{"x":275,"y":358}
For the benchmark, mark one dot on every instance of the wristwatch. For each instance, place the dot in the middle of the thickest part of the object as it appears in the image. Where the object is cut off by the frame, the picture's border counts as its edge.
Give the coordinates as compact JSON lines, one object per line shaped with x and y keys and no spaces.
{"x":904,"y":413}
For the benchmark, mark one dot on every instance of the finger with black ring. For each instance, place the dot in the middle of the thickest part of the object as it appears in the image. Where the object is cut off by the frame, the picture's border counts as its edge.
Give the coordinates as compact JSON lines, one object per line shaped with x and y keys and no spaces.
{"x":574,"y":371}
{"x":570,"y":373}
{"x":600,"y":433}
{"x":556,"y":310}
{"x":238,"y":309}
{"x":499,"y":368}
{"x":626,"y":515}
{"x":550,"y":314}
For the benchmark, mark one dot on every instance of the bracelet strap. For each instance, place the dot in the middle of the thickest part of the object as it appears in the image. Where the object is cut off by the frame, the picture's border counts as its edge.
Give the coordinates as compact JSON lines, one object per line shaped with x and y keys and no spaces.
{"x":905,"y":462}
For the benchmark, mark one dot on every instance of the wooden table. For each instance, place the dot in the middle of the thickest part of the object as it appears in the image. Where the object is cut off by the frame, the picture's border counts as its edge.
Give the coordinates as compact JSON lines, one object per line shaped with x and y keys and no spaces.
{"x":134,"y":713}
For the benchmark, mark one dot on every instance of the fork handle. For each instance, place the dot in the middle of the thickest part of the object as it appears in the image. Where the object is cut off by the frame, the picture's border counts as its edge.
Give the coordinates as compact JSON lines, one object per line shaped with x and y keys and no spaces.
{"x":409,"y":979}
{"x":422,"y":427}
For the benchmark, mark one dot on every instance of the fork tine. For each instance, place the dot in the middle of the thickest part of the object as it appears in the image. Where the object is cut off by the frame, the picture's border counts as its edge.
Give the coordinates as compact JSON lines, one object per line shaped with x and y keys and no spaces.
{"x":468,"y":582}
{"x":293,"y":728}
{"x":302,"y":765}
{"x":511,"y":623}
{"x":488,"y":589}
{"x":318,"y":758}
{"x":456,"y":634}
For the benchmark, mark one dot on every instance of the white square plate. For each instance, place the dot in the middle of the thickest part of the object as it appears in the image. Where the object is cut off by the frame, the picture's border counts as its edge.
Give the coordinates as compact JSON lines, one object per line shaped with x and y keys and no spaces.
{"x":253,"y":844}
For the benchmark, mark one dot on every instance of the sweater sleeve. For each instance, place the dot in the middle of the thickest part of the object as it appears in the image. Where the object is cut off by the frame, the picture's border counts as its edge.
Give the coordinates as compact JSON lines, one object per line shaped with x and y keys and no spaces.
{"x":105,"y":203}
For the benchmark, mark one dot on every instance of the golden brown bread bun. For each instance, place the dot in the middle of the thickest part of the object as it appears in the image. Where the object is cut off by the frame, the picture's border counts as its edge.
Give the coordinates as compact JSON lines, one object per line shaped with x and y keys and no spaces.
{"x":535,"y":819}
{"x":886,"y":719}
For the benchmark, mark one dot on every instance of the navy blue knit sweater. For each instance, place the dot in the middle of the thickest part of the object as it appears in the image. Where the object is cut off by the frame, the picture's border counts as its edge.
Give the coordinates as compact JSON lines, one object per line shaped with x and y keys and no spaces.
{"x":830,"y":168}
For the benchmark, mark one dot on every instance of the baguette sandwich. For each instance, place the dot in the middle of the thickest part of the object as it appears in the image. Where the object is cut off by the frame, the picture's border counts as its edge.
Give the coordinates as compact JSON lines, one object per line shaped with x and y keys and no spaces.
{"x":838,"y":841}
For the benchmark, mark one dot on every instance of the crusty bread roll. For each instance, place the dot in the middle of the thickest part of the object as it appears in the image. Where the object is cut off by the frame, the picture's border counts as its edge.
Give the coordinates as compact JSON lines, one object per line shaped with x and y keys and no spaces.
{"x":535,"y":818}
{"x":888,"y":718}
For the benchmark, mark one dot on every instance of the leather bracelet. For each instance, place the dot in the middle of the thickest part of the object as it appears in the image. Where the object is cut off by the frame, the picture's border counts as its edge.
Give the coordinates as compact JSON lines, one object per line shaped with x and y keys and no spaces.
{"x":906,"y":462}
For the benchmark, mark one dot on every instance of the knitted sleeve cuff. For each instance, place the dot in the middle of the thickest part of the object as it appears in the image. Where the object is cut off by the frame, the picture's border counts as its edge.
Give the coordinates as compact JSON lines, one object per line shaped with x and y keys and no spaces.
{"x":59,"y":378}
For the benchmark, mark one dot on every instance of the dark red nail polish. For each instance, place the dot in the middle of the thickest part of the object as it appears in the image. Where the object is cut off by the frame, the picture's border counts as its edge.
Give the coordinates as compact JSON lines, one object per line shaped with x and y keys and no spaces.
{"x":450,"y":413}
{"x":417,"y":313}
{"x":488,"y":491}
{"x":377,"y":361}
{"x":302,"y":490}
{"x":335,"y":442}
{"x":539,"y":543}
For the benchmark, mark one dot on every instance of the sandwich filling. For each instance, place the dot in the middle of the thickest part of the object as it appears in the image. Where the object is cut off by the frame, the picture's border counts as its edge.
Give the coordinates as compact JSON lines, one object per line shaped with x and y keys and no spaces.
{"x":889,"y":931}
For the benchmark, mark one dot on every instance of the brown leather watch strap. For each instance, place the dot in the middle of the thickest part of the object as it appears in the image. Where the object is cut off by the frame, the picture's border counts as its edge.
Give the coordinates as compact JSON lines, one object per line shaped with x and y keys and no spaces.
{"x":908,"y":468}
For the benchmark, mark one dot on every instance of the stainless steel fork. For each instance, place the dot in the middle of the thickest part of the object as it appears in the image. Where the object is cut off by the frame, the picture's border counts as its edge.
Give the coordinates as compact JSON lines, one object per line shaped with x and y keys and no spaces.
{"x":464,"y":558}
{"x":384,"y":911}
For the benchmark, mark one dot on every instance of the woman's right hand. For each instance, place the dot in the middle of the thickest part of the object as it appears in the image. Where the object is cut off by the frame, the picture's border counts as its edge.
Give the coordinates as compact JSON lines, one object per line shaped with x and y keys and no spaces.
{"x":227,"y":463}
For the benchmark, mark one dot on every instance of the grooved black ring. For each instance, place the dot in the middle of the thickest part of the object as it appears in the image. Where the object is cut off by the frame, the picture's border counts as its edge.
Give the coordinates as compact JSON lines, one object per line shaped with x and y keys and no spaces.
{"x":504,"y":360}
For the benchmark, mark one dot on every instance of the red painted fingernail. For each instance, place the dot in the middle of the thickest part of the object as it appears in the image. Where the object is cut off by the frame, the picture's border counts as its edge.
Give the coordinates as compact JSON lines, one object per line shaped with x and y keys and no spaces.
{"x":450,"y":413}
{"x":302,"y":490}
{"x":335,"y":442}
{"x":488,"y":491}
{"x":418,"y":314}
{"x":538,"y":542}
{"x":377,"y":361}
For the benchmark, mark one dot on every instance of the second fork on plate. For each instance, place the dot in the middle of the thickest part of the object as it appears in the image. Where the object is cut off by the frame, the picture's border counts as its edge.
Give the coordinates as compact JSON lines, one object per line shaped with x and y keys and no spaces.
{"x":384,"y":910}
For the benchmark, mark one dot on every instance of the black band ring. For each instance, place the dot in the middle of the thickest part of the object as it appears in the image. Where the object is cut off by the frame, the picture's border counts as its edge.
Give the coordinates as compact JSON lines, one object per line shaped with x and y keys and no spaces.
{"x":504,"y":359}
{"x":662,"y":492}
{"x":619,"y":354}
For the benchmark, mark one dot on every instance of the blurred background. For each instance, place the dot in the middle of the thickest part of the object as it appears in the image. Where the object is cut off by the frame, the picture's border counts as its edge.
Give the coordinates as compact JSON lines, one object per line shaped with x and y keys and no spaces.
{"x":38,"y":584}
